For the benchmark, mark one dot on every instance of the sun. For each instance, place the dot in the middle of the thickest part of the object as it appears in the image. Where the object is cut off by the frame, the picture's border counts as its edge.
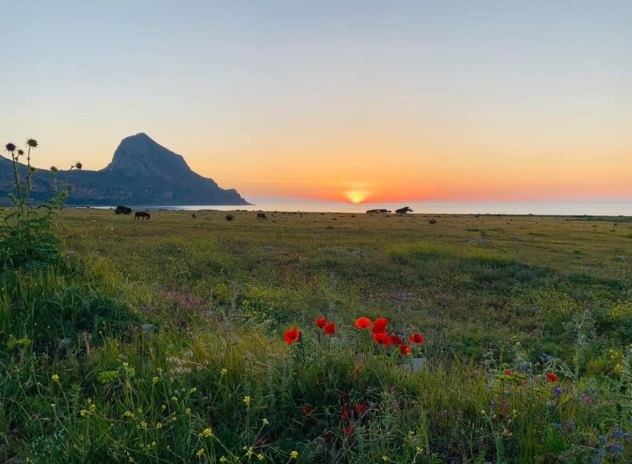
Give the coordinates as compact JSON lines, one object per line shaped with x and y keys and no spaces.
{"x":356,"y":196}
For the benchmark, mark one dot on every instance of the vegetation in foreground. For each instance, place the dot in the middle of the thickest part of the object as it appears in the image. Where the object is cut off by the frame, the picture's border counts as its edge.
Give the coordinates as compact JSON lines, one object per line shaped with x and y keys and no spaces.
{"x":184,"y":339}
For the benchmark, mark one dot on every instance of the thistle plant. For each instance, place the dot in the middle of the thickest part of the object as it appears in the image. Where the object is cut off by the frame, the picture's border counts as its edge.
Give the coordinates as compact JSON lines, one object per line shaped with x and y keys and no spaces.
{"x":26,"y":237}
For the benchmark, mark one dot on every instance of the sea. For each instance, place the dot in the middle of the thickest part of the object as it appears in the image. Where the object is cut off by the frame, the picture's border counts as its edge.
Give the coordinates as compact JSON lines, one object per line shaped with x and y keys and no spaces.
{"x":505,"y":208}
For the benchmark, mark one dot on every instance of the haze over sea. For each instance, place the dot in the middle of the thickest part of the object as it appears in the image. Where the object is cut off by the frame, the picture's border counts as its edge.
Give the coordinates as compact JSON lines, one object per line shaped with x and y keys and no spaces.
{"x":521,"y":208}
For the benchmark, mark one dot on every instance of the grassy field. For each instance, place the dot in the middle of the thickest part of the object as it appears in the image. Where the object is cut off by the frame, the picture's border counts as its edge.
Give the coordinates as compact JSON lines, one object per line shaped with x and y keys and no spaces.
{"x":162,"y":340}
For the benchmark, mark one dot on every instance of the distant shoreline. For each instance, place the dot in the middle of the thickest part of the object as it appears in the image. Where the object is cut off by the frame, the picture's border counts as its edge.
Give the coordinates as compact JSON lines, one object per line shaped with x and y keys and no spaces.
{"x":614,"y":210}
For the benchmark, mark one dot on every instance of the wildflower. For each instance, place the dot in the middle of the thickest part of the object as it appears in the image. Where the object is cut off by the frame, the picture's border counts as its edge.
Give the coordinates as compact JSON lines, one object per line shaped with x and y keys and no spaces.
{"x":55,"y":378}
{"x":10,"y":147}
{"x":347,"y":429}
{"x":508,"y":372}
{"x":223,"y":459}
{"x":556,"y":390}
{"x":200,"y":453}
{"x":193,"y":390}
{"x":53,"y":405}
{"x":142,"y":425}
{"x":129,"y":414}
{"x":417,"y":338}
{"x":385,"y":458}
{"x":223,"y":372}
{"x":249,"y":450}
{"x":379,"y":326}
{"x":293,"y":454}
{"x":551,"y":376}
{"x":382,"y":339}
{"x":360,"y":408}
{"x":207,"y":432}
{"x":266,"y":421}
{"x":363,"y":323}
{"x":260,"y":457}
{"x":31,"y":143}
{"x":396,"y":339}
{"x":329,"y":328}
{"x":247,"y":400}
{"x":187,"y":411}
{"x":83,"y":413}
{"x":405,"y":350}
{"x":291,"y":335}
{"x":320,"y":322}
{"x":154,"y":380}
{"x":158,"y":425}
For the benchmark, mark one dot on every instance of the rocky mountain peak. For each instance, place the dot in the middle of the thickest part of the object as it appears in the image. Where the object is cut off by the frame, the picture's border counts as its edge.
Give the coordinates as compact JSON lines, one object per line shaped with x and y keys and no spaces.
{"x":140,"y":156}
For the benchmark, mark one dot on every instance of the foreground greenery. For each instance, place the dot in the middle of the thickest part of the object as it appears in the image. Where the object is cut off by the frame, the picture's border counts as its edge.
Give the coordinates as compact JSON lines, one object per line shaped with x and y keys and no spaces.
{"x":162,"y":340}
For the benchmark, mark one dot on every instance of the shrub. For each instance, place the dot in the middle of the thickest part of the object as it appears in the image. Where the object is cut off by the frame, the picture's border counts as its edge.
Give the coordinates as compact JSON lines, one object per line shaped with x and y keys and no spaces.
{"x":230,"y":217}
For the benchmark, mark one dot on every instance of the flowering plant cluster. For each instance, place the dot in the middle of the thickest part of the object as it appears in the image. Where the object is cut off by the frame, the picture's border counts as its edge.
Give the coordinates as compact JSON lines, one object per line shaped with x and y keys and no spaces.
{"x":378,"y":329}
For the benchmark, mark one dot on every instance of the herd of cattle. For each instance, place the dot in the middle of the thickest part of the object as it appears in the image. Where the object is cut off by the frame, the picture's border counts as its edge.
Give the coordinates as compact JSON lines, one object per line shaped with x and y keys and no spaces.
{"x":260,"y":216}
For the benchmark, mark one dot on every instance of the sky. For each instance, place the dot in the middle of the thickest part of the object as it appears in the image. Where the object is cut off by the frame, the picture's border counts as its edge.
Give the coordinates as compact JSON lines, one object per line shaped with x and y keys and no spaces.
{"x":363,"y":101}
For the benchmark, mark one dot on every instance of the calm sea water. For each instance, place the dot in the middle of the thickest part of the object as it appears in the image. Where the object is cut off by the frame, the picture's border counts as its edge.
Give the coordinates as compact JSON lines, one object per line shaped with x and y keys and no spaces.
{"x":554,"y":209}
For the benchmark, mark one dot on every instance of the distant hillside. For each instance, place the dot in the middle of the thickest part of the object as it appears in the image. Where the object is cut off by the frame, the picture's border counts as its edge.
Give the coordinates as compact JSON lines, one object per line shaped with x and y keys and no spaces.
{"x":142,"y":172}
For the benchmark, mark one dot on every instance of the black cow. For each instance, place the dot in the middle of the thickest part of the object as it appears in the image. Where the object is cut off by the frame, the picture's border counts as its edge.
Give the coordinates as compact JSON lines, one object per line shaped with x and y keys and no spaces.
{"x":141,"y":215}
{"x":122,"y":210}
{"x":261,"y":217}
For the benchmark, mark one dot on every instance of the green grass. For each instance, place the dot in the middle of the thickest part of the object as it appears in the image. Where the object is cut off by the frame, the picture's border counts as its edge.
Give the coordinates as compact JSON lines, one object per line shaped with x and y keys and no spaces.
{"x":161,"y":340}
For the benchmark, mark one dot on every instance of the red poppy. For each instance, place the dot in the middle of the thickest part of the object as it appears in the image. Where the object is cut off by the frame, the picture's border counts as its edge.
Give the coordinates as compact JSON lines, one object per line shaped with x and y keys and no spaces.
{"x":508,"y":372}
{"x":382,"y":339}
{"x":405,"y":350}
{"x":329,"y":328}
{"x":363,"y":323}
{"x":320,"y":322}
{"x":417,"y":338}
{"x":360,"y":408}
{"x":347,"y":429}
{"x":379,"y":326}
{"x":397,"y":340}
{"x":551,"y":376}
{"x":291,"y":336}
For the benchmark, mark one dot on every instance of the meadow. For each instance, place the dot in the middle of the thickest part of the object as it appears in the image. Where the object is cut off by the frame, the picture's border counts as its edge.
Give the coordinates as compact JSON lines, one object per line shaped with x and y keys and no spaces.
{"x":170,"y":340}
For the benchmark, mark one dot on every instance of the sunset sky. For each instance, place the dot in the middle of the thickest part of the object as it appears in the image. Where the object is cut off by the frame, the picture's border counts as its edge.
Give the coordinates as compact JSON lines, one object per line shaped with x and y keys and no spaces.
{"x":490,"y":100}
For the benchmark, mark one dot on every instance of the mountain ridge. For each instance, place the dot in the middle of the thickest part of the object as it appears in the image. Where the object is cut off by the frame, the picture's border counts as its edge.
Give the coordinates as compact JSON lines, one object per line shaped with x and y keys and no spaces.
{"x":142,"y":172}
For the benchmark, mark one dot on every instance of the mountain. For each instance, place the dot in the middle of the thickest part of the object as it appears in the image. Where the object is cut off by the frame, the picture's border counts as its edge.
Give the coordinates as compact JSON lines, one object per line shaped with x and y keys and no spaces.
{"x":142,"y":172}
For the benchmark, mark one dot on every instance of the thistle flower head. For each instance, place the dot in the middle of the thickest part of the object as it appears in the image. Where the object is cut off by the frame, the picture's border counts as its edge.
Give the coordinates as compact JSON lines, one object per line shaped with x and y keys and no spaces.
{"x":31,"y":143}
{"x":10,"y":147}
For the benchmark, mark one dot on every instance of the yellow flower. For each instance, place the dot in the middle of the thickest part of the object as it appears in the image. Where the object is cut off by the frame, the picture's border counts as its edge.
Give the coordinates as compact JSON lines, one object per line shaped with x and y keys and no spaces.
{"x":158,"y":425}
{"x":385,"y":458}
{"x":142,"y":425}
{"x":92,"y":408}
{"x":200,"y":453}
{"x":247,"y":400}
{"x":52,"y":405}
{"x":155,"y":380}
{"x":223,"y":372}
{"x":260,"y":457}
{"x":129,"y":414}
{"x":174,"y":399}
{"x":223,"y":459}
{"x":265,"y":421}
{"x":55,"y":378}
{"x":193,"y":390}
{"x":187,"y":411}
{"x":207,"y":432}
{"x":420,"y":450}
{"x":249,"y":451}
{"x":83,"y":413}
{"x":293,"y":454}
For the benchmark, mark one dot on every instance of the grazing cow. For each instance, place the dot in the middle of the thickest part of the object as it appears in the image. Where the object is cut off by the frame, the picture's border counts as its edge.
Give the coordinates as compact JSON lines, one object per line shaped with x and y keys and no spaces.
{"x":193,"y":216}
{"x":141,"y":215}
{"x":120,"y":209}
{"x":261,"y":217}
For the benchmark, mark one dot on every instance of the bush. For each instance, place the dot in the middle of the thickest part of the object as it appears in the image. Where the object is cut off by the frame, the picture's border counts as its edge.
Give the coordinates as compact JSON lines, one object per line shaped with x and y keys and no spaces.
{"x":230,"y":217}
